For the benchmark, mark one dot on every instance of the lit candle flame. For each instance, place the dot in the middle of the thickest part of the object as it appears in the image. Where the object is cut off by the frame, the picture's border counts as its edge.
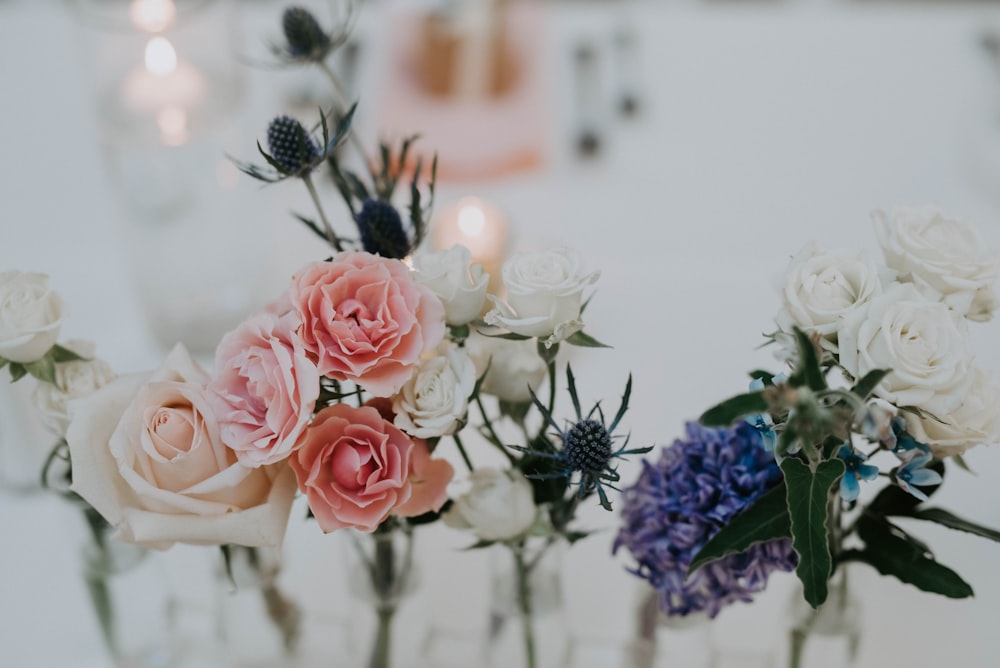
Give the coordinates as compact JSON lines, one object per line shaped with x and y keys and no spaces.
{"x":471,"y":220}
{"x":161,"y":58}
{"x":152,"y":15}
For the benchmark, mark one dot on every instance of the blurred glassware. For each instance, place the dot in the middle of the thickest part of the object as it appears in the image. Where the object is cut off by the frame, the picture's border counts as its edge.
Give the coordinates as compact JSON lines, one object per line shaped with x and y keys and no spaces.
{"x":24,"y":441}
{"x":168,"y":87}
{"x":587,"y":81}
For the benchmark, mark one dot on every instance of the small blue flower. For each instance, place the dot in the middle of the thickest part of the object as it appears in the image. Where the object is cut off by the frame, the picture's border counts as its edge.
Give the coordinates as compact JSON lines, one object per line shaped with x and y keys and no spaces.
{"x":856,"y":470}
{"x":912,"y":473}
{"x":906,"y":446}
{"x":762,"y":422}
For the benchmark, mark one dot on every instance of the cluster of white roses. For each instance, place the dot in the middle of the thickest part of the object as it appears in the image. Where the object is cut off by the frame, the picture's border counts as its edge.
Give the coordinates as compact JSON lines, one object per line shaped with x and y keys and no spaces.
{"x":909,"y":315}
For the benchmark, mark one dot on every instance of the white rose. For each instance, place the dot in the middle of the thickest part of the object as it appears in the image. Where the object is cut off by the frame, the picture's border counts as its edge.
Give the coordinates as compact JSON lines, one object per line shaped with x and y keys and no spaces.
{"x":544,"y":295}
{"x":459,"y":286}
{"x":821,"y":288}
{"x":74,"y":380}
{"x":515,"y":368}
{"x":30,"y":316}
{"x":500,"y":505}
{"x":435,"y":399}
{"x":147,"y":456}
{"x":975,"y":422}
{"x":946,"y":258}
{"x":924,"y":343}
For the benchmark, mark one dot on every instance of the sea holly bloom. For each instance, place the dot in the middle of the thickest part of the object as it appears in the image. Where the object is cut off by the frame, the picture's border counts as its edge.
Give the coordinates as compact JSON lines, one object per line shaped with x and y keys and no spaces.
{"x":587,"y":446}
{"x":381,"y":230}
{"x":913,"y":475}
{"x":856,"y":470}
{"x":306,"y":41}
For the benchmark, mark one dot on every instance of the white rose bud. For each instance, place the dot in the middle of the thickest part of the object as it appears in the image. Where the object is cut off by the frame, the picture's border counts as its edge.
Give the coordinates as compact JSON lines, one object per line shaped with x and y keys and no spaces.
{"x":459,"y":285}
{"x":944,"y":257}
{"x":436,"y":398}
{"x":74,"y":380}
{"x":975,"y":422}
{"x":821,"y":288}
{"x":924,"y":343}
{"x":30,"y":316}
{"x":500,"y":505}
{"x":544,"y":295}
{"x":514,"y":367}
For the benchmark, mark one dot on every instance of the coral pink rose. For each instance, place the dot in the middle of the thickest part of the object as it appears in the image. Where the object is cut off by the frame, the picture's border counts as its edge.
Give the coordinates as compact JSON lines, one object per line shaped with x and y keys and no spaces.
{"x":264,"y":389}
{"x":356,"y":468}
{"x":366,"y":319}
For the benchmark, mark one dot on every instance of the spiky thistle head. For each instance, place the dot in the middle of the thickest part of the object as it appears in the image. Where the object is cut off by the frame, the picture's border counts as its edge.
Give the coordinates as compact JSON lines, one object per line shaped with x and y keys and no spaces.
{"x":303,"y":34}
{"x":381,"y":229}
{"x":290,"y":145}
{"x":588,"y":446}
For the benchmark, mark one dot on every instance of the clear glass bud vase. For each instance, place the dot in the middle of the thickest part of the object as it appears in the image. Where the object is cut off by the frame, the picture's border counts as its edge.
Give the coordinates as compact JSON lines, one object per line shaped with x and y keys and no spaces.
{"x":528,"y":626}
{"x":671,"y":641}
{"x":387,"y":625}
{"x":127,"y":587}
{"x":828,"y":636}
{"x":258,"y":625}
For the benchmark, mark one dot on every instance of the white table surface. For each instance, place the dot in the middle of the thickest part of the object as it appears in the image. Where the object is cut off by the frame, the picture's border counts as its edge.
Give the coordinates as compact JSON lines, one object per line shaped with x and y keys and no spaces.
{"x":763,"y":126}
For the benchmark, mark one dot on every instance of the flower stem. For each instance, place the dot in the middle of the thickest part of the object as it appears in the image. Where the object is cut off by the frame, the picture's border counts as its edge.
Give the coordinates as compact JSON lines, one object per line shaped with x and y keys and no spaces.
{"x":461,"y":451}
{"x":493,"y":437}
{"x":341,"y":107}
{"x":327,"y":228}
{"x":523,"y":574}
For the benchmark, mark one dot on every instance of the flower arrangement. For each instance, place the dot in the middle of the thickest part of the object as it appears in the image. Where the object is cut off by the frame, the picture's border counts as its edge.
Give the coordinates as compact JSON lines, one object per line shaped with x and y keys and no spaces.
{"x":881,"y":384}
{"x":341,"y":389}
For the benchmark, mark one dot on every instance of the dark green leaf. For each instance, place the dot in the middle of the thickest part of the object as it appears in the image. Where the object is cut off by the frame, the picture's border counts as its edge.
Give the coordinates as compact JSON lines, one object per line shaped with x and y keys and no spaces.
{"x":765,"y":376}
{"x":511,"y":336}
{"x":808,"y":371}
{"x":944,"y":518}
{"x":3,"y":362}
{"x":573,"y":536}
{"x":962,"y":464}
{"x":43,"y":369}
{"x":17,"y":371}
{"x":767,"y":519}
{"x":60,"y":354}
{"x":864,"y":387}
{"x":311,"y":225}
{"x":730,"y":410}
{"x":480,"y":544}
{"x":227,"y":561}
{"x":808,"y":493}
{"x":893,"y":554}
{"x":585,"y":340}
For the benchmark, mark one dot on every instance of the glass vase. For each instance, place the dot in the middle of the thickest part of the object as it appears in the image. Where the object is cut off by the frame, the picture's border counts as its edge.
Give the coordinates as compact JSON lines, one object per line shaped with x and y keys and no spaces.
{"x":386,"y":626}
{"x":258,"y":625}
{"x":127,"y":587}
{"x":528,"y":626}
{"x":828,"y":636}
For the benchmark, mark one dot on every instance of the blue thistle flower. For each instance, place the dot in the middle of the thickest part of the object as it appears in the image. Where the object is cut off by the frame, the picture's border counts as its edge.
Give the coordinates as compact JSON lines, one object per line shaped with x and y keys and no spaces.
{"x":587,"y":446}
{"x":305,"y":38}
{"x":856,"y":470}
{"x":381,"y":230}
{"x":681,"y":501}
{"x":290,"y":145}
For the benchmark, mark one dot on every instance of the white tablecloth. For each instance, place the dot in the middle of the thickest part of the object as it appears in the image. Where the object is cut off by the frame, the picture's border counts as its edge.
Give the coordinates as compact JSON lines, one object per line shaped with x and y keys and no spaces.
{"x":763,"y":126}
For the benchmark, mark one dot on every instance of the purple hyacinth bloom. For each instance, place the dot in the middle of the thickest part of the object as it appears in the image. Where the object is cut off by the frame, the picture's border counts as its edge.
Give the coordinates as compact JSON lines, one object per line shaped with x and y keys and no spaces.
{"x":681,"y":501}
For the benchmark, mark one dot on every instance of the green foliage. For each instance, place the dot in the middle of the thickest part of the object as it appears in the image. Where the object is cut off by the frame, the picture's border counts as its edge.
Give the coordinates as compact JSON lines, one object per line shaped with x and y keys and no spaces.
{"x":808,"y":492}
{"x":808,"y":372}
{"x":767,"y":519}
{"x":582,"y":339}
{"x":864,"y":387}
{"x":945,"y":518}
{"x":730,"y":410}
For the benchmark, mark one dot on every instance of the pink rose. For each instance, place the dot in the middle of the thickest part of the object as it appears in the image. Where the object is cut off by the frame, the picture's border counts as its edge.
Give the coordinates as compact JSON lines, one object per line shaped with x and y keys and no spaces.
{"x":148,"y":457}
{"x":264,"y":389}
{"x":356,"y":469}
{"x":366,"y":319}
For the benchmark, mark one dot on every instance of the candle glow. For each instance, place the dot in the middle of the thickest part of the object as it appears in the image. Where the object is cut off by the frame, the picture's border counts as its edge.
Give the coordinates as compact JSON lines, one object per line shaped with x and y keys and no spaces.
{"x":160,"y":58}
{"x":152,"y":15}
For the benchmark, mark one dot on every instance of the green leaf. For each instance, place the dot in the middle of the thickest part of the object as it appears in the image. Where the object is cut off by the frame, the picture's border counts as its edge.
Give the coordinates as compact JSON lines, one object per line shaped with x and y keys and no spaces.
{"x":61,"y":354}
{"x":958,"y":459}
{"x":767,"y":519}
{"x":808,"y":493}
{"x":585,"y":340}
{"x":3,"y":362}
{"x":480,"y":544}
{"x":17,"y":371}
{"x":808,"y":372}
{"x":765,"y":376}
{"x":227,"y":562}
{"x":43,"y":369}
{"x":864,"y":387}
{"x":727,"y":412}
{"x":945,"y":518}
{"x":892,"y":554}
{"x":573,"y":536}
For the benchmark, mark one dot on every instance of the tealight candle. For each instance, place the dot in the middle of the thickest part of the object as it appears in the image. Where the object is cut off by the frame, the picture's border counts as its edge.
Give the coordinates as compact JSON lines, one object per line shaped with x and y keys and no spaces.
{"x":480,"y":227}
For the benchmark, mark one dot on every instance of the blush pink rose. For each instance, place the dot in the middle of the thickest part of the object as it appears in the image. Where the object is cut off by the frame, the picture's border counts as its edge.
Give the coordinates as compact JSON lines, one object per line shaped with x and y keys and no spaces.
{"x":264,"y":389}
{"x":355,"y":468}
{"x":366,"y":320}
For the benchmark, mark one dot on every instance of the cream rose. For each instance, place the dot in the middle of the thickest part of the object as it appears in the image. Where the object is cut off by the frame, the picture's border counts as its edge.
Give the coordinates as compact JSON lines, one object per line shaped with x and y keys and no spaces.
{"x":544,"y":295}
{"x":513,"y":368}
{"x":924,"y":343}
{"x":499,"y":506}
{"x":147,"y":456}
{"x":821,"y":288}
{"x":459,"y":285}
{"x":975,"y":422}
{"x":74,"y":380}
{"x":435,"y":400}
{"x":30,"y":316}
{"x":944,"y":257}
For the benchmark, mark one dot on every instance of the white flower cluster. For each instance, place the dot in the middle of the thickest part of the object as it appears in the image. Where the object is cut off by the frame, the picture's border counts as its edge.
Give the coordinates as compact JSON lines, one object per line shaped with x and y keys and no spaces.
{"x":909,"y":315}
